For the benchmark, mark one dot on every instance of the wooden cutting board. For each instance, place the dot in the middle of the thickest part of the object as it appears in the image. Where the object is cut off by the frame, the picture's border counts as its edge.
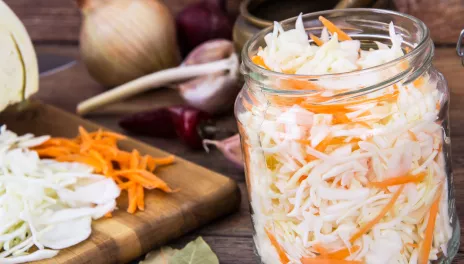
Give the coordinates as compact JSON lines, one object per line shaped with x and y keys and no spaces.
{"x":204,"y":195}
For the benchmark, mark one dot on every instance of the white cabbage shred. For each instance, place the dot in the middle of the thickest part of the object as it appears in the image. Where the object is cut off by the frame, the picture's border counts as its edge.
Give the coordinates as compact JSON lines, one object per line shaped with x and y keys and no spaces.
{"x":305,"y":196}
{"x":46,"y":205}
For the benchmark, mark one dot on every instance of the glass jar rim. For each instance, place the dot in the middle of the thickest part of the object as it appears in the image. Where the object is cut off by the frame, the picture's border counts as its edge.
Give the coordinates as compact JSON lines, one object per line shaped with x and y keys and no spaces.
{"x":247,"y":61}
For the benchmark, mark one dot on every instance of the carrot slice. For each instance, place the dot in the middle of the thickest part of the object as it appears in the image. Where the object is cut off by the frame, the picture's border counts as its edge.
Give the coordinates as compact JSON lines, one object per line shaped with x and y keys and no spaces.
{"x":316,"y":40}
{"x":379,"y":217}
{"x":132,"y":199}
{"x":414,"y":245}
{"x":334,"y":29}
{"x":343,"y":253}
{"x":161,"y":161}
{"x":418,"y":82}
{"x":321,"y":250}
{"x":53,"y":152}
{"x":400,"y":180}
{"x":134,"y":161}
{"x":143,"y":163}
{"x":258,"y":60}
{"x":282,"y":255}
{"x":428,"y":237}
{"x":140,"y":198}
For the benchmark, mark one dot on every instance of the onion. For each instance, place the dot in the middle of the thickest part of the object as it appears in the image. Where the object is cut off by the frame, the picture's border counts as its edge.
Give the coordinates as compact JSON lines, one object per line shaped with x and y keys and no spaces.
{"x":125,"y":39}
{"x":201,"y":22}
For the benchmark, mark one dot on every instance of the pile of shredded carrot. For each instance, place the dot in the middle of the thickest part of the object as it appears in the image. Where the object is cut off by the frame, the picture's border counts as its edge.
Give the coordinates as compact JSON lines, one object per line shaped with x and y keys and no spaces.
{"x":130,"y":170}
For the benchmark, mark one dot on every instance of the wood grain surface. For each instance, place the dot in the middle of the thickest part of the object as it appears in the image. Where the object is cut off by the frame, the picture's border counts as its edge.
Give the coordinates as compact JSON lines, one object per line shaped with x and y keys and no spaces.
{"x":202,"y":197}
{"x":231,"y":237}
{"x":60,"y":20}
{"x":444,"y":18}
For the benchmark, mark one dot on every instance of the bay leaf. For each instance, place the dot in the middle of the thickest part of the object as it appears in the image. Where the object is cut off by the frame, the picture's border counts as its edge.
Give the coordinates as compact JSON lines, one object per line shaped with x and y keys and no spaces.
{"x":160,"y":256}
{"x":196,"y":252}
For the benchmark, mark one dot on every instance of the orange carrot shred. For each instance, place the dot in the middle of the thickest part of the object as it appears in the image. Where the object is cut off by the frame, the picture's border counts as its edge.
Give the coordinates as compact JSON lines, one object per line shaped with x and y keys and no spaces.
{"x":321,"y":250}
{"x":414,"y":245}
{"x":134,"y":161}
{"x":418,"y":82}
{"x":99,"y":150}
{"x":428,"y":236}
{"x":132,"y":199}
{"x":316,"y":40}
{"x":334,"y":29}
{"x":162,"y":161}
{"x":343,"y":253}
{"x":143,"y":162}
{"x":379,"y":217}
{"x":140,"y":198}
{"x":258,"y":60}
{"x":399,"y":180}
{"x":280,"y":251}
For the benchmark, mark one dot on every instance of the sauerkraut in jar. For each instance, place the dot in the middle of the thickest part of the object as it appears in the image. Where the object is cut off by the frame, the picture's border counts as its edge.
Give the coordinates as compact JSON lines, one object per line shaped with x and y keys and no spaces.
{"x":344,"y":130}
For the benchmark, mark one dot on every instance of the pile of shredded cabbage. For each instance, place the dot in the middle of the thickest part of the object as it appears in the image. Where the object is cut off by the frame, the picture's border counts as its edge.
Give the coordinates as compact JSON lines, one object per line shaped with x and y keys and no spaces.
{"x":45,"y":205}
{"x":305,"y":196}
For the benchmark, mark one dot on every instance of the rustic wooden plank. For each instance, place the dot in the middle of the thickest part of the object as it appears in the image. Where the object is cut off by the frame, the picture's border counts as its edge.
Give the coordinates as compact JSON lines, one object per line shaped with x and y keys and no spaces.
{"x":60,"y":20}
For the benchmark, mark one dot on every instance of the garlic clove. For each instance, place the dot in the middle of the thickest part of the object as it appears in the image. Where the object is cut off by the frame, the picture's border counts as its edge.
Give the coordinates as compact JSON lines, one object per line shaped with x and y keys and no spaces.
{"x":214,"y":93}
{"x":211,"y":50}
{"x":230,"y":147}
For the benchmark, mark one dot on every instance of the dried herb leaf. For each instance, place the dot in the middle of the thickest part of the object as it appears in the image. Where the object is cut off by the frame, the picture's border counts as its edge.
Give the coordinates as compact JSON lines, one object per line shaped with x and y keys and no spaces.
{"x":196,"y":252}
{"x":160,"y":256}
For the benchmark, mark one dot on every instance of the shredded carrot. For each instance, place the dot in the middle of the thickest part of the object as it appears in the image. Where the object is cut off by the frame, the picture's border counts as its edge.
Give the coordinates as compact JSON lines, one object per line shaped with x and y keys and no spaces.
{"x":334,"y":29}
{"x":413,"y":136}
{"x":414,"y":245}
{"x":99,"y":149}
{"x":340,"y":118}
{"x":343,"y":253}
{"x":379,"y":217}
{"x":258,"y":60}
{"x":321,"y":250}
{"x":408,"y":178}
{"x":282,"y":255}
{"x":140,"y":198}
{"x":418,"y":82}
{"x":428,"y":236}
{"x":132,"y":193}
{"x":316,"y":40}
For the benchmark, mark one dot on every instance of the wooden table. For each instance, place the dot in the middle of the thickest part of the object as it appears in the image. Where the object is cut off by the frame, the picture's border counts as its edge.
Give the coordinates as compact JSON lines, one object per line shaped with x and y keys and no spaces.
{"x":231,"y":237}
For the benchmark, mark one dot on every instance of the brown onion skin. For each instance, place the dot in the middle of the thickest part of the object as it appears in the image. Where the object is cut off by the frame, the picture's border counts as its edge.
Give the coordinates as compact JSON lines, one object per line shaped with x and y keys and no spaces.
{"x":126,"y":39}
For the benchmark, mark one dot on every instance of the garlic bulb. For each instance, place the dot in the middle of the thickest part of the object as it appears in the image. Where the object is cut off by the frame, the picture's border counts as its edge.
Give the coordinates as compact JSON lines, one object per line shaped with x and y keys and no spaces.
{"x":125,"y":39}
{"x":19,"y":72}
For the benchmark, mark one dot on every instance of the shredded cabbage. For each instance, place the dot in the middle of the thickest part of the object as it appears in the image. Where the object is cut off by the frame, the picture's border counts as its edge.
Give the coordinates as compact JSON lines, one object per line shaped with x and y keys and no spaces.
{"x":46,"y":205}
{"x":309,"y":174}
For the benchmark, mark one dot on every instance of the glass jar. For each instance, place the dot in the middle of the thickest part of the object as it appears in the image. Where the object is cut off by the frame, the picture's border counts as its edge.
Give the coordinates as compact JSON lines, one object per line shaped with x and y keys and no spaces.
{"x":350,"y":165}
